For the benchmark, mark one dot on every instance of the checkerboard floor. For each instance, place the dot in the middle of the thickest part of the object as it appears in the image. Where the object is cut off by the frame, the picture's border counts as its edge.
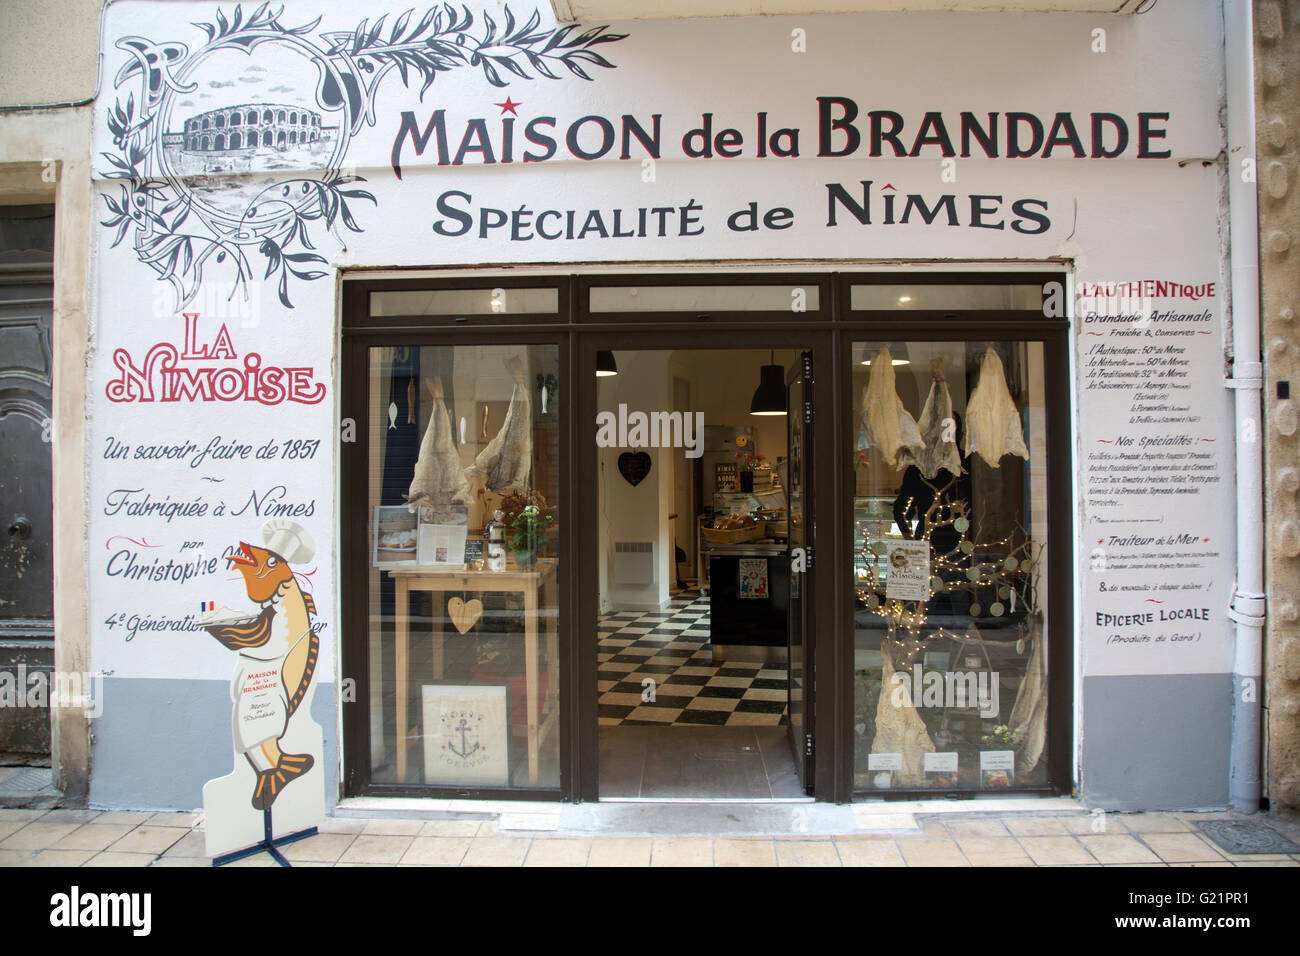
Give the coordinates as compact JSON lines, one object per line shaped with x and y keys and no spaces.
{"x":672,"y":648}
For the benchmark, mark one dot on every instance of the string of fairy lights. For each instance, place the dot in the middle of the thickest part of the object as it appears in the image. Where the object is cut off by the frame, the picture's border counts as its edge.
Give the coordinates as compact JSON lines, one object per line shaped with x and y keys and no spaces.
{"x":1006,"y":566}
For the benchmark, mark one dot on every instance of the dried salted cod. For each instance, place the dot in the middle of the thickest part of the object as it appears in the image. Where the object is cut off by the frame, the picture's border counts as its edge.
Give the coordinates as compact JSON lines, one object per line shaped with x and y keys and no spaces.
{"x":1028,"y":719}
{"x":938,"y":427}
{"x":992,"y":421}
{"x":885,"y":423}
{"x":439,"y":478}
{"x":899,"y":728}
{"x":505,"y":463}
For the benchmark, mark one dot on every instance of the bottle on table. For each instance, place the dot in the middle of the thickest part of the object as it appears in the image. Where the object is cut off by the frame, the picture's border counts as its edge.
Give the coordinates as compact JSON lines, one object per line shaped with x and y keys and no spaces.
{"x":496,"y":542}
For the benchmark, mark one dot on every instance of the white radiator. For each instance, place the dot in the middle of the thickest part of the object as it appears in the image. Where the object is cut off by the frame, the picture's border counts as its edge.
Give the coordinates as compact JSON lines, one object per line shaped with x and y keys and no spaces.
{"x":634,"y":563}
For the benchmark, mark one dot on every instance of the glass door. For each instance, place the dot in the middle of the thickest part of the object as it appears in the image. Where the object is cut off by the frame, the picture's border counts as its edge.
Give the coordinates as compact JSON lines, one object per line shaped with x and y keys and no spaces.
{"x":799,"y":421}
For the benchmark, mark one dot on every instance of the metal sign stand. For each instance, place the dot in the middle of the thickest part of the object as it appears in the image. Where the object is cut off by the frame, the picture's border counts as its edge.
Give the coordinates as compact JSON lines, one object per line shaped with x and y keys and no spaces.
{"x":268,"y":843}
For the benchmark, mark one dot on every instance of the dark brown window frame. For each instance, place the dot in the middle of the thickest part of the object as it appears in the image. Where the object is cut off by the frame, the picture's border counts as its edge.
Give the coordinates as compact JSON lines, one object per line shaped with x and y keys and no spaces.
{"x":829,"y":332}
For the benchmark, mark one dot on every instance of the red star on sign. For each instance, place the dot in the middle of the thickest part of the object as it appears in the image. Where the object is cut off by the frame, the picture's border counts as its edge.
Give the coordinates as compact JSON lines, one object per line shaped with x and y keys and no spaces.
{"x":509,"y":106}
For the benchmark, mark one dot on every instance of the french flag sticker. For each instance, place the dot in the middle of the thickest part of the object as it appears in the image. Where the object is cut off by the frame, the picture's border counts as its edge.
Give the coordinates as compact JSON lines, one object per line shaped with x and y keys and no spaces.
{"x":207,"y":606}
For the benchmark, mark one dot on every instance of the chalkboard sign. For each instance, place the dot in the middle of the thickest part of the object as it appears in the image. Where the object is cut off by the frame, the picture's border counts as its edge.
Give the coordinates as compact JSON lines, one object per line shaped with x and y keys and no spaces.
{"x":473,"y":551}
{"x":724,"y":476}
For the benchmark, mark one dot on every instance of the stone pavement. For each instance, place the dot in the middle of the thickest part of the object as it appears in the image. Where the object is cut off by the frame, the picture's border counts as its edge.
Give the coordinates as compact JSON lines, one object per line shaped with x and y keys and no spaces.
{"x":992,"y":837}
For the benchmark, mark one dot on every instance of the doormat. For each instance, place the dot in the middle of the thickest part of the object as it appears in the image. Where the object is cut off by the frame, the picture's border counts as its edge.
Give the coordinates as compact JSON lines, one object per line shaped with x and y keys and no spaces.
{"x":1241,"y":838}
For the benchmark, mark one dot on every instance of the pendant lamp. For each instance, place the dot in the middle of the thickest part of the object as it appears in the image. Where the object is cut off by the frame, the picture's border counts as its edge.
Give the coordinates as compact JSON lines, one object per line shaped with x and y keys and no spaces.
{"x":605,"y":364}
{"x":769,"y":397}
{"x":897,"y":350}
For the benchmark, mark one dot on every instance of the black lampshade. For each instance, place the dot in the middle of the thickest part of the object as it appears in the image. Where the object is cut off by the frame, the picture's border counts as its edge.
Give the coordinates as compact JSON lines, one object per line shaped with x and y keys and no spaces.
{"x":605,"y":364}
{"x":769,"y":397}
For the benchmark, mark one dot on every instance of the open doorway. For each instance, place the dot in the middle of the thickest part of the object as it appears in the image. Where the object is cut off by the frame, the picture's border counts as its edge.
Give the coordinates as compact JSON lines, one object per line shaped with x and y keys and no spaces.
{"x":695,"y":574}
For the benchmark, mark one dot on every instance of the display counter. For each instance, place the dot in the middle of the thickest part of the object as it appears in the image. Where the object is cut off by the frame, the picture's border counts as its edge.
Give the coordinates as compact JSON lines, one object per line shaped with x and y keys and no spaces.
{"x":749,"y":600}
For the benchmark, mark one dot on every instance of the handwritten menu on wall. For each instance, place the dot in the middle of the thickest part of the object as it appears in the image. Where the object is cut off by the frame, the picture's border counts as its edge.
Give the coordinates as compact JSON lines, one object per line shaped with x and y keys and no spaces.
{"x":1156,"y":476}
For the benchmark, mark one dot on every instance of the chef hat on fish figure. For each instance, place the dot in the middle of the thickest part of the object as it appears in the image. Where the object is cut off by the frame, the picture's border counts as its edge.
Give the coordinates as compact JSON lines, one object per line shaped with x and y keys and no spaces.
{"x":289,"y":540}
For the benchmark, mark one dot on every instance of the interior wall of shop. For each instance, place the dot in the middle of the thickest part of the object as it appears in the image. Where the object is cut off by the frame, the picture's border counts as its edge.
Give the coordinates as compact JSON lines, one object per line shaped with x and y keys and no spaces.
{"x":721,"y":384}
{"x":636,"y":512}
{"x":45,"y":157}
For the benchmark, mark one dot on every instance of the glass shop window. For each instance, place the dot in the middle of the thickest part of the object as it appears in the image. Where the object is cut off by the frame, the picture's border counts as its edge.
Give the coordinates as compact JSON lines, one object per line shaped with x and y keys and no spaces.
{"x":456,"y":302}
{"x":465,"y":519}
{"x":705,"y":298}
{"x":949,"y":571}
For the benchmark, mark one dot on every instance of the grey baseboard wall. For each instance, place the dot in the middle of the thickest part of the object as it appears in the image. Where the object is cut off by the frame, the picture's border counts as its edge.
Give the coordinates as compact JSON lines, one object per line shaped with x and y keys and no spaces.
{"x":157,"y":742}
{"x":1156,"y":743}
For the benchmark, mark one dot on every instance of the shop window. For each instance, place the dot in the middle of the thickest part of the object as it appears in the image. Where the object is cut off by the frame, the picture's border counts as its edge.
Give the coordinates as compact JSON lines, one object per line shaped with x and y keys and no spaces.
{"x":465,"y":521}
{"x":919,"y":297}
{"x":777,"y":297}
{"x":457,"y":302}
{"x":949,"y":532}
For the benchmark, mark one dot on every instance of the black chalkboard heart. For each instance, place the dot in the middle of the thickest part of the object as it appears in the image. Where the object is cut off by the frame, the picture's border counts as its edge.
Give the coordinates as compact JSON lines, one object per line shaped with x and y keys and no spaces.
{"x":634,"y":466}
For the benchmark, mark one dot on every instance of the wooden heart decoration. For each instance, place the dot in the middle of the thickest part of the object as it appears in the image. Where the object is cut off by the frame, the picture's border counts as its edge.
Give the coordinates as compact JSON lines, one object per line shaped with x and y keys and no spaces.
{"x":464,"y":614}
{"x":634,"y":466}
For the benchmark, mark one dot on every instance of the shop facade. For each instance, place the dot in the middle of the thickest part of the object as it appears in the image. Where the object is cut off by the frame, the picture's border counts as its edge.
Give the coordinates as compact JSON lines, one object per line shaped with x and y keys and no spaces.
{"x":353,"y":288}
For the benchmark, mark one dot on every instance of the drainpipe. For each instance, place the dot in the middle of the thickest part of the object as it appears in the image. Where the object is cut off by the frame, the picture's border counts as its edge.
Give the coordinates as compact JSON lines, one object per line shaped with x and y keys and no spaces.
{"x":1246,"y":381}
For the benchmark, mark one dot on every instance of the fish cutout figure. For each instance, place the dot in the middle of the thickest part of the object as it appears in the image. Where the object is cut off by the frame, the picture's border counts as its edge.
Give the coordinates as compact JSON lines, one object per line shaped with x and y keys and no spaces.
{"x":278,"y":652}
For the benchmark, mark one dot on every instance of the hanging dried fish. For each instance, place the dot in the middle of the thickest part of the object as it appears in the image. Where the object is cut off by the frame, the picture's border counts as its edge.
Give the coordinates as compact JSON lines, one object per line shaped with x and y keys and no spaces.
{"x":992,"y":421}
{"x":504,"y":465}
{"x":1028,"y":720}
{"x":899,"y":728}
{"x":439,"y":479}
{"x":938,"y":427}
{"x":885,"y":424}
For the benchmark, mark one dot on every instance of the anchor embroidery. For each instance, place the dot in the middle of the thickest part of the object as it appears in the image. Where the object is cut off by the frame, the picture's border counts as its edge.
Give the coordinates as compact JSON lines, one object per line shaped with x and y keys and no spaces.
{"x":465,"y":750}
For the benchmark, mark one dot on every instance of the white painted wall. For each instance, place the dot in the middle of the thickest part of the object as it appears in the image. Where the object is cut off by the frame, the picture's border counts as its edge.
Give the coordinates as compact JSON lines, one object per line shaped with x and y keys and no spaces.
{"x":637,"y":512}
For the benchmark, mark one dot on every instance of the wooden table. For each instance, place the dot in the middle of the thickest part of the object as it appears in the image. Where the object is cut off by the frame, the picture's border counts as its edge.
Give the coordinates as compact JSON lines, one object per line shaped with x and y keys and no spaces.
{"x":442,"y":581}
